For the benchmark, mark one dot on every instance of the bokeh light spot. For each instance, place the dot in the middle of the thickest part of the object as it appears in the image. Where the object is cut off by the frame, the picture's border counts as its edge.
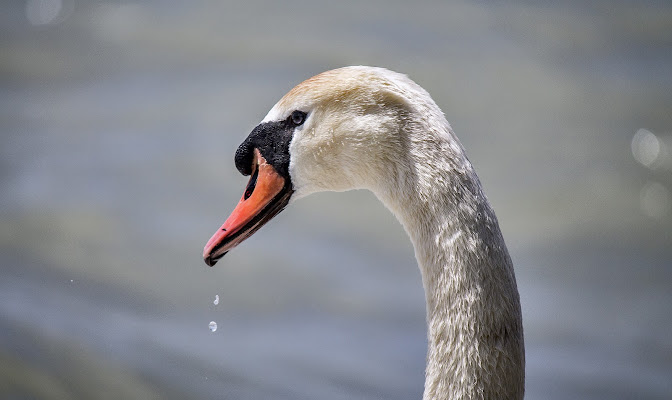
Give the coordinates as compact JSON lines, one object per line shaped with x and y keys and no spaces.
{"x":655,"y":200}
{"x":43,"y":12}
{"x":645,"y":147}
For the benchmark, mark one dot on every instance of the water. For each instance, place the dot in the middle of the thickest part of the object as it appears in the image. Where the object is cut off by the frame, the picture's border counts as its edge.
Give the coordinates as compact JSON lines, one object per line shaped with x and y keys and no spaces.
{"x":119,"y":123}
{"x":216,"y":301}
{"x":213,"y":326}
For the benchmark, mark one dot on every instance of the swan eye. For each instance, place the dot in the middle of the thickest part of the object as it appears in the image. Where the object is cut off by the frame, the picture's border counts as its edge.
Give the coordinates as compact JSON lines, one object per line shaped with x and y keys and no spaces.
{"x":297,"y":118}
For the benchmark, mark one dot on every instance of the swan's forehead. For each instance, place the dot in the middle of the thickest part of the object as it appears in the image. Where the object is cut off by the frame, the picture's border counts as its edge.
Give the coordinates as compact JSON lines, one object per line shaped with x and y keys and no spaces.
{"x":327,"y":87}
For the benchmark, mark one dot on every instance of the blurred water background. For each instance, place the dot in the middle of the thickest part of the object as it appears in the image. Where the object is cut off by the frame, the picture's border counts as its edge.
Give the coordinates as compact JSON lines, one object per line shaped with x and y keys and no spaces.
{"x":118,"y":124}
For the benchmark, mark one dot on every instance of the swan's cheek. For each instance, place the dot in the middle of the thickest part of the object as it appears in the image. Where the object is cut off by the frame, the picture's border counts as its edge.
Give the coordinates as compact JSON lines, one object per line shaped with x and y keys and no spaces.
{"x":302,"y":165}
{"x":316,"y":167}
{"x":301,"y":183}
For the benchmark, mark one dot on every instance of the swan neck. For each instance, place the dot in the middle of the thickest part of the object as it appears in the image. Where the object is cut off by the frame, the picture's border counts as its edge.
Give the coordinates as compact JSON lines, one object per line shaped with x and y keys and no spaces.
{"x":474,"y":323}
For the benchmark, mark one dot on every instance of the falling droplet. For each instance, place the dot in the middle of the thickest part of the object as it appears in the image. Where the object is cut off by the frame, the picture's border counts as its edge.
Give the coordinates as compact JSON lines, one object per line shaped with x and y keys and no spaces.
{"x":216,"y":300}
{"x":212,"y":326}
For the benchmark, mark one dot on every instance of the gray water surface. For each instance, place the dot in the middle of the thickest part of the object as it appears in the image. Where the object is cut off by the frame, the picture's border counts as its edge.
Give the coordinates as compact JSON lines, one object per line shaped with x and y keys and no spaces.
{"x":119,"y":121}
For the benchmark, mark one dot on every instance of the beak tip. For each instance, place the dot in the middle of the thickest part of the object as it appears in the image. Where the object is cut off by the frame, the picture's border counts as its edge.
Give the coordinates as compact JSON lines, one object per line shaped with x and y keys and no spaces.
{"x":211,"y":261}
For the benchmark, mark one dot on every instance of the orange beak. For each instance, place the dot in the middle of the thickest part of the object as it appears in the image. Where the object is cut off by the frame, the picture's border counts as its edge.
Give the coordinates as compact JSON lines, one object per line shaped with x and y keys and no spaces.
{"x":267,"y":194}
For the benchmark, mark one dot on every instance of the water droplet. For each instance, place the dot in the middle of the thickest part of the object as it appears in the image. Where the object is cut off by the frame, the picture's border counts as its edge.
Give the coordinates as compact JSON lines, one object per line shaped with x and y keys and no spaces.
{"x":212,"y":326}
{"x":216,"y":300}
{"x":72,"y":280}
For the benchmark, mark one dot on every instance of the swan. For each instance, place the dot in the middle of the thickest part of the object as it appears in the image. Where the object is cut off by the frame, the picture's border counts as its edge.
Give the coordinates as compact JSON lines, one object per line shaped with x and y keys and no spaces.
{"x":371,"y":128}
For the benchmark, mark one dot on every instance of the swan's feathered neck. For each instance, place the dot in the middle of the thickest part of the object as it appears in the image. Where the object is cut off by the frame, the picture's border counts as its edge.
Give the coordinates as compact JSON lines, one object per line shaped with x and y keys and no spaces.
{"x":474,"y":320}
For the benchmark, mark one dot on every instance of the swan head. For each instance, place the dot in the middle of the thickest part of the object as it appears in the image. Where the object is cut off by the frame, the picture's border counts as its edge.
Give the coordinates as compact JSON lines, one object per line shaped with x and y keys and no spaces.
{"x":342,"y":129}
